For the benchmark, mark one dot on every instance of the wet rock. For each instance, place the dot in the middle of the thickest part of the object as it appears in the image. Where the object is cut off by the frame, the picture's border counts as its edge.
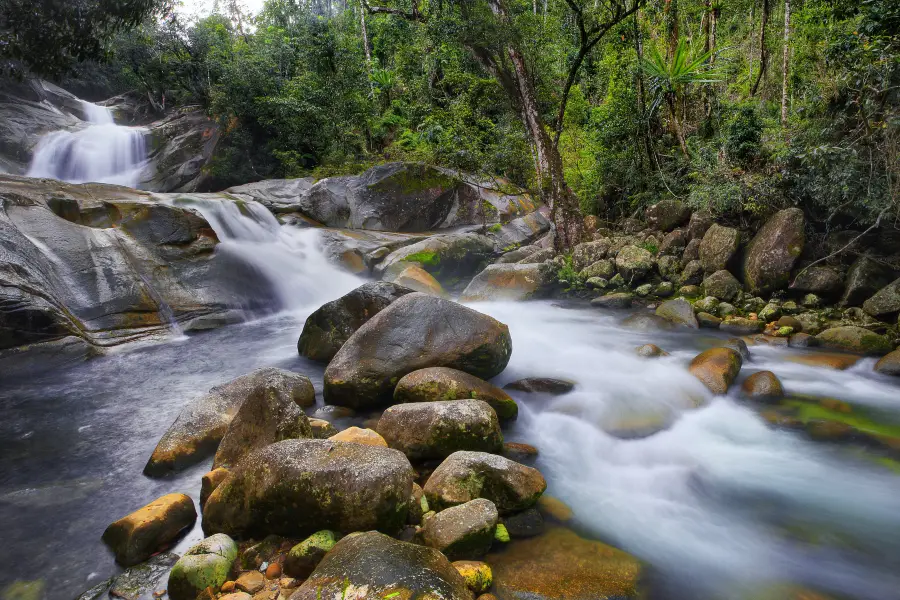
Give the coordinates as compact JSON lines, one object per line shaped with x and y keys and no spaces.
{"x":210,"y":482}
{"x":667,"y":214}
{"x":742,"y":326}
{"x":541,"y":385}
{"x":408,"y":335}
{"x":773,"y":252}
{"x":140,"y":581}
{"x":763,"y":385}
{"x":828,"y":360}
{"x":205,"y":564}
{"x":359,"y":436}
{"x":371,"y":566}
{"x":708,"y":321}
{"x":885,"y":303}
{"x":692,"y":274}
{"x":136,"y":537}
{"x":788,"y":321}
{"x":525,"y":524}
{"x":716,"y":368}
{"x":464,"y":476}
{"x":634,"y":263}
{"x":321,"y":429}
{"x":650,"y":351}
{"x":417,"y":279}
{"x":266,"y":416}
{"x":203,"y":422}
{"x":602,"y":268}
{"x":719,"y":247}
{"x":722,"y":285}
{"x":588,"y":253}
{"x":444,"y":257}
{"x":889,"y":364}
{"x":512,"y":283}
{"x":864,"y":278}
{"x":478,"y":575}
{"x":802,"y":340}
{"x":561,"y":565}
{"x":281,"y":489}
{"x":441,"y":383}
{"x":616,"y":300}
{"x":820,"y":280}
{"x":305,"y":556}
{"x":332,"y":324}
{"x":423,"y":430}
{"x":464,"y":531}
{"x":855,"y":339}
{"x":678,"y":311}
{"x":516,"y":255}
{"x":250,"y":582}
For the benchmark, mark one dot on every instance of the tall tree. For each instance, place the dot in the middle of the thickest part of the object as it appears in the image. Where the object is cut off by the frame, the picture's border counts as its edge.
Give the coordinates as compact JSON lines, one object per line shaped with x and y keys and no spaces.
{"x":785,"y":62}
{"x":763,"y":51}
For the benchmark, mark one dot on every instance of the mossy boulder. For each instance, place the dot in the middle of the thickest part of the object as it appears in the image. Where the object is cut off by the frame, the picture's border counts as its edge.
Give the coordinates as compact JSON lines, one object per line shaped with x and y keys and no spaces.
{"x":634,"y":263}
{"x":423,"y":430}
{"x":719,"y":247}
{"x":464,"y":531}
{"x":774,"y":251}
{"x":604,"y":268}
{"x":203,"y":422}
{"x":692,"y":274}
{"x":889,"y":364}
{"x":669,"y":267}
{"x":722,"y":285}
{"x":667,"y":214}
{"x":136,"y":537}
{"x":615,"y":300}
{"x":850,"y":338}
{"x":373,"y":566}
{"x":885,"y":303}
{"x":742,"y":326}
{"x":716,"y":368}
{"x":447,"y":257}
{"x":332,"y":324}
{"x":266,"y":416}
{"x":510,"y":283}
{"x":441,"y":383}
{"x":205,"y":564}
{"x":588,"y":253}
{"x":763,"y":385}
{"x":678,"y":311}
{"x":478,"y":575}
{"x":412,"y":334}
{"x":823,"y":281}
{"x":465,"y":476}
{"x":297,"y":487}
{"x":305,"y":556}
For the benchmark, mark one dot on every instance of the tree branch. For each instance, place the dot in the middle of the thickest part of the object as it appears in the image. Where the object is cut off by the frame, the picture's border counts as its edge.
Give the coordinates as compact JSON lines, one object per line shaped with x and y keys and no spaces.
{"x":414,"y":15}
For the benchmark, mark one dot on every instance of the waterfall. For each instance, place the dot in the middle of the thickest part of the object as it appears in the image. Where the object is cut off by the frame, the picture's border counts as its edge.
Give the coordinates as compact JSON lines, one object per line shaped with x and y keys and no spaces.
{"x":101,"y":152}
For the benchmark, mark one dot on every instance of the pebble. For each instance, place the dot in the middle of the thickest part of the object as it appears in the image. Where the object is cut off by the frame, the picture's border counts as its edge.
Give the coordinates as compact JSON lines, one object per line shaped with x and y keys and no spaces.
{"x":250,"y":582}
{"x":273,"y":571}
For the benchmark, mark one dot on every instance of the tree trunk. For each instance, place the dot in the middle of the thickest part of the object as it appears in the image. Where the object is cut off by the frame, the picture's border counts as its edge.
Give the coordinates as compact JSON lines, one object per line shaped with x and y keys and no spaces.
{"x":671,"y":11}
{"x":785,"y":62}
{"x":672,"y":103}
{"x":763,"y":53}
{"x":644,"y":127}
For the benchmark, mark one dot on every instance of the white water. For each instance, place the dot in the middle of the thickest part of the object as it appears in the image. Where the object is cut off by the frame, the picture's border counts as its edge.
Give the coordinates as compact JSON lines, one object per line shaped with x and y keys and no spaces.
{"x":101,"y":152}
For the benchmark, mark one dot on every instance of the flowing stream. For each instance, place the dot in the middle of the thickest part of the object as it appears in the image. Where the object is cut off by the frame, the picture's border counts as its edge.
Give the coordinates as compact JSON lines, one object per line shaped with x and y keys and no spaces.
{"x":719,"y":503}
{"x":101,"y":152}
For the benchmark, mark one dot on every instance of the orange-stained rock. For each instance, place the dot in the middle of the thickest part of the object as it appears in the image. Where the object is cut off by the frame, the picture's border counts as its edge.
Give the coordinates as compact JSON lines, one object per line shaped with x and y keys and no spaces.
{"x":830,"y":360}
{"x":250,"y":582}
{"x":136,"y":537}
{"x":763,"y":385}
{"x":716,"y":368}
{"x":227,"y":587}
{"x":416,"y":278}
{"x":359,"y":436}
{"x":273,"y":571}
{"x":210,"y":482}
{"x":554,"y":508}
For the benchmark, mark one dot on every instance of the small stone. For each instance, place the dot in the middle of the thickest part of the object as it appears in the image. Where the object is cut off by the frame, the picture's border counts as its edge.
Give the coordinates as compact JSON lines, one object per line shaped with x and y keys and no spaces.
{"x":741,"y":326}
{"x":321,"y":429}
{"x":783,"y":332}
{"x":770,"y":312}
{"x":811,"y":301}
{"x":708,"y":304}
{"x":525,"y":524}
{"x":227,"y":587}
{"x":616,"y":300}
{"x":790,"y":307}
{"x":725,"y":310}
{"x":708,"y":321}
{"x":689,"y":291}
{"x":598,"y":283}
{"x":650,"y":351}
{"x":788,"y":321}
{"x":519,"y":452}
{"x":643,"y":290}
{"x":477,"y":574}
{"x":250,"y":582}
{"x":678,"y":311}
{"x":464,"y":531}
{"x":258,"y":555}
{"x":665,"y":289}
{"x":304,"y":557}
{"x":501,"y":534}
{"x":722,"y":285}
{"x":273,"y":571}
{"x":802,"y":340}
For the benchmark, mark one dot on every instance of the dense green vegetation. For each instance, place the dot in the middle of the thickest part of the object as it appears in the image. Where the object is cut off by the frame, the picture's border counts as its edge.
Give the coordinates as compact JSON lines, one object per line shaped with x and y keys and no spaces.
{"x":710,"y":101}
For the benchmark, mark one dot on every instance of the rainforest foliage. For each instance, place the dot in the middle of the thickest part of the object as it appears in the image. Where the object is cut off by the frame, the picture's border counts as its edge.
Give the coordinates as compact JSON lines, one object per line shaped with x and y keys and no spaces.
{"x":738,"y":106}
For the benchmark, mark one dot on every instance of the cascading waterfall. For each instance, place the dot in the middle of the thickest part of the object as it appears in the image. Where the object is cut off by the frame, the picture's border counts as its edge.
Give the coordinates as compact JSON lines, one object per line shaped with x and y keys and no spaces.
{"x":102,"y":152}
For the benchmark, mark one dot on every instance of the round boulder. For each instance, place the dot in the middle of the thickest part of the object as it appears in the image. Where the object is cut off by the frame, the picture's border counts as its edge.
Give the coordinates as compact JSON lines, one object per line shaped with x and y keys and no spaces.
{"x":718,"y":247}
{"x":850,"y":338}
{"x":412,"y":334}
{"x":205,"y":564}
{"x":442,"y":383}
{"x":437,"y":429}
{"x":464,"y":531}
{"x":722,"y":285}
{"x":716,"y":368}
{"x":297,"y":487}
{"x":667,"y":214}
{"x":889,"y":364}
{"x":742,"y":326}
{"x":763,"y":385}
{"x":615,"y":300}
{"x":634,"y":263}
{"x":773,"y":252}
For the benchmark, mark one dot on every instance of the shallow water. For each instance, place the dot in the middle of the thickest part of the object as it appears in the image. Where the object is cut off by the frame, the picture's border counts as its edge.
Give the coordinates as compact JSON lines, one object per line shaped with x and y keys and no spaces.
{"x":717,"y":502}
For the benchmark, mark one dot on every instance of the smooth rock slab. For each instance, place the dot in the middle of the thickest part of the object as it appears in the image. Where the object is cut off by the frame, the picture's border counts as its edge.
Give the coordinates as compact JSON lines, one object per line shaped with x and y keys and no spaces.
{"x":371,"y":566}
{"x":441,"y":383}
{"x":414,"y":332}
{"x":136,"y":537}
{"x":465,"y":476}
{"x":850,"y":338}
{"x":297,"y":487}
{"x":464,"y":531}
{"x":423,"y":430}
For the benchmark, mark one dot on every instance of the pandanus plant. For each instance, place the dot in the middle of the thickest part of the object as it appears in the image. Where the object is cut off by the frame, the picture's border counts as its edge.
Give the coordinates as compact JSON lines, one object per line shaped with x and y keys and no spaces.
{"x":669,"y":80}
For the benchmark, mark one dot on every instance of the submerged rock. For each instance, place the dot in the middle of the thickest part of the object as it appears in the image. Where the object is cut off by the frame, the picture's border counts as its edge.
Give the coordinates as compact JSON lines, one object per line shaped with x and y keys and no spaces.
{"x":297,"y":487}
{"x":464,"y":531}
{"x":441,"y":383}
{"x":205,"y":564}
{"x":510,"y":282}
{"x":437,"y":429}
{"x":332,"y":324}
{"x":716,"y":368}
{"x":412,"y":334}
{"x":136,"y":537}
{"x":465,"y":476}
{"x":372,"y":566}
{"x":203,"y":422}
{"x":541,"y":385}
{"x":773,"y":252}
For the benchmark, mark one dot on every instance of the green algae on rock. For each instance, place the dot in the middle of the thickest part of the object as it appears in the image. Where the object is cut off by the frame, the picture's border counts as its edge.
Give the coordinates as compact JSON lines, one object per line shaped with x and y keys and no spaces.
{"x":442,"y":383}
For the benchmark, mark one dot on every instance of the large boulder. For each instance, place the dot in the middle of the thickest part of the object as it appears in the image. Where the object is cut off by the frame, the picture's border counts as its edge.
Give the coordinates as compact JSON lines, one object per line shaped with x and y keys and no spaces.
{"x":889,"y":364}
{"x":718,"y":248}
{"x":774,"y":251}
{"x":587,"y":253}
{"x":298,"y":487}
{"x":634,"y":263}
{"x":510,"y":282}
{"x":886,"y":301}
{"x":820,"y":280}
{"x":205,"y":564}
{"x":423,"y":430}
{"x":464,"y":531}
{"x":666,"y":215}
{"x":716,"y":368}
{"x":373,"y":566}
{"x":411,"y":334}
{"x":678,"y":311}
{"x":265,"y":417}
{"x":722,"y":285}
{"x":604,"y":268}
{"x":181,"y":148}
{"x":136,"y":537}
{"x":418,"y":279}
{"x":465,"y":476}
{"x":855,"y":339}
{"x":699,"y":224}
{"x":864,"y":278}
{"x":440,"y":383}
{"x":446,"y":257}
{"x":332,"y":324}
{"x":203,"y":422}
